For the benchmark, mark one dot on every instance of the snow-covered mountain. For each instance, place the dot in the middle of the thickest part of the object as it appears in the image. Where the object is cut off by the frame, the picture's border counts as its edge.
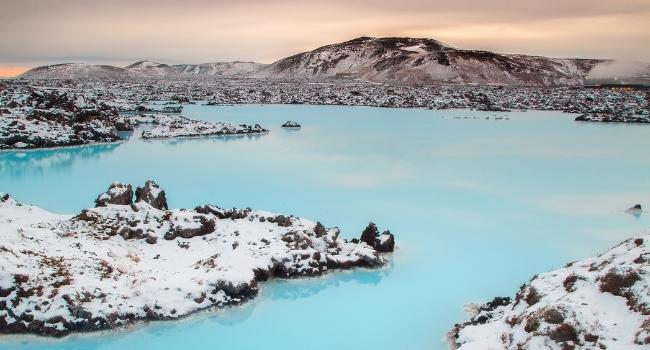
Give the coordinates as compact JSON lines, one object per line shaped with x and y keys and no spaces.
{"x":151,"y":69}
{"x":75,"y":71}
{"x":401,"y":60}
{"x":142,"y":69}
{"x":220,"y":69}
{"x":412,"y":60}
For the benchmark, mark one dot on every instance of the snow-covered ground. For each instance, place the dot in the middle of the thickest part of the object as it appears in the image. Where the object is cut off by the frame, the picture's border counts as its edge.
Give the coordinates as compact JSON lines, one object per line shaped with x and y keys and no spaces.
{"x":126,"y":261}
{"x":597,"y":303}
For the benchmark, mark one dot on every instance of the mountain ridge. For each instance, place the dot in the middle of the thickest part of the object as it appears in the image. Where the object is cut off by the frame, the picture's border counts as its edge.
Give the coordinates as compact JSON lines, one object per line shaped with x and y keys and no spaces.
{"x":424,"y":60}
{"x":391,"y":59}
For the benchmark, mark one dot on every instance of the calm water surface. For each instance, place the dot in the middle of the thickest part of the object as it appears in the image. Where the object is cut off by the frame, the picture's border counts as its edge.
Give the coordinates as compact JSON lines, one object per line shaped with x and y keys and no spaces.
{"x":477,"y":206}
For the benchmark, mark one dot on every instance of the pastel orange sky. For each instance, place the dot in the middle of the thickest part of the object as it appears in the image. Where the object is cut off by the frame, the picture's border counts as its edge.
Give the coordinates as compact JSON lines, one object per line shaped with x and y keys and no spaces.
{"x":120,"y":32}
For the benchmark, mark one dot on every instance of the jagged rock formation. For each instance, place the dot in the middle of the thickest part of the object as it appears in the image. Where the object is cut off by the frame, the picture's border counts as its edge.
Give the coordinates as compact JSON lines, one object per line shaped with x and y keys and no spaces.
{"x":117,"y":193}
{"x":597,"y":303}
{"x":121,"y":262}
{"x":152,"y":194}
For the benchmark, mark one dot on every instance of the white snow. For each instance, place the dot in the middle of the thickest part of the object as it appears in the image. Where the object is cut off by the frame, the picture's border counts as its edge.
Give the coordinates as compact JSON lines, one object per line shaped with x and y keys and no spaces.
{"x":580,"y":299}
{"x":81,"y":268}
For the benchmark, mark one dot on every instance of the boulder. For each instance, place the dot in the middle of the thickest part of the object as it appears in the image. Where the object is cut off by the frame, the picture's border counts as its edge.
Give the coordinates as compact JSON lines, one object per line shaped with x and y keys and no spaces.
{"x":385,"y":242}
{"x":199,"y":225}
{"x":117,"y":193}
{"x":635,"y":210}
{"x":382,"y":243}
{"x":152,"y":194}
{"x":290,"y":124}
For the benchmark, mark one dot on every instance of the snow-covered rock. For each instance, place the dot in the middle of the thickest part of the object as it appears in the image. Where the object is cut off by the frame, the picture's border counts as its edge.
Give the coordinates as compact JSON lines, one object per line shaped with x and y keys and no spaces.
{"x":117,"y":264}
{"x":117,"y":193}
{"x":290,"y":124}
{"x":597,"y":303}
{"x":621,"y":116}
{"x":384,"y":242}
{"x":183,"y":127}
{"x":34,"y":118}
{"x":152,"y":194}
{"x":635,"y":210}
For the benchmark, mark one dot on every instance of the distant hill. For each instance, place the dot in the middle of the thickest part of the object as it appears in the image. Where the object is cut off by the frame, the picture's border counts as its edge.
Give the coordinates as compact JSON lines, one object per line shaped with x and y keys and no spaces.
{"x":221,"y":69}
{"x":75,"y":71}
{"x":397,"y":60}
{"x":151,"y":69}
{"x":142,"y":69}
{"x":412,"y":60}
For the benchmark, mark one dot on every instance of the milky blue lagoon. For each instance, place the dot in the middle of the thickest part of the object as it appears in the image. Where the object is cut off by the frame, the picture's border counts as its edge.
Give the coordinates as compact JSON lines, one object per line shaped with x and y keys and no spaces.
{"x":477,"y":206}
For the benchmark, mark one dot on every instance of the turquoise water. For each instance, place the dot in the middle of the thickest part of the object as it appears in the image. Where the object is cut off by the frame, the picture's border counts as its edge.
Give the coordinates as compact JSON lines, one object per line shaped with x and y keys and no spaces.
{"x":477,"y":206}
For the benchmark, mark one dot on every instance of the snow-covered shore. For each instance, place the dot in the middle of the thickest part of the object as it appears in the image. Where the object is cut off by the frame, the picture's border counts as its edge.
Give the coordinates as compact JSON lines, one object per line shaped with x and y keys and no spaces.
{"x":127,"y":261}
{"x":597,"y":303}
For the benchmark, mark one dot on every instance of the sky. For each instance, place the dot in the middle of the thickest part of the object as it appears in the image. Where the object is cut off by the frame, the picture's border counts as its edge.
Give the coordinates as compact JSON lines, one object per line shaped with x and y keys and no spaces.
{"x":120,"y":32}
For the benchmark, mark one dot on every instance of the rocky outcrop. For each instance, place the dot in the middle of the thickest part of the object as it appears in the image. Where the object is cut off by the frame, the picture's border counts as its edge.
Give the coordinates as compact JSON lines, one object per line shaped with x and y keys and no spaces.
{"x":635,"y":210}
{"x":169,"y":127}
{"x":120,"y":263}
{"x":38,"y":118}
{"x":384,"y":242}
{"x":152,"y":194}
{"x":622,"y":116}
{"x":597,"y":303}
{"x":117,"y":193}
{"x":290,"y":124}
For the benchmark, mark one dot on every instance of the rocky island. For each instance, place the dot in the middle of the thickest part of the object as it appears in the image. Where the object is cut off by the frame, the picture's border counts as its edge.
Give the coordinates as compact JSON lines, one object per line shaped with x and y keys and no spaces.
{"x":40,"y":117}
{"x":597,"y":303}
{"x":127,"y":260}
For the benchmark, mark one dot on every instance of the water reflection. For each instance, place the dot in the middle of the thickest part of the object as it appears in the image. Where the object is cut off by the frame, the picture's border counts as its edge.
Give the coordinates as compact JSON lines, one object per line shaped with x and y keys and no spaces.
{"x":15,"y":164}
{"x":292,"y":290}
{"x":211,"y":139}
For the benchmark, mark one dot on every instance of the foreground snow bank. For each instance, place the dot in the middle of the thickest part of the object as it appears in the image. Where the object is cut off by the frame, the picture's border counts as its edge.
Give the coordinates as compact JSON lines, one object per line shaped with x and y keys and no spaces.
{"x":597,"y":303}
{"x":124,"y":261}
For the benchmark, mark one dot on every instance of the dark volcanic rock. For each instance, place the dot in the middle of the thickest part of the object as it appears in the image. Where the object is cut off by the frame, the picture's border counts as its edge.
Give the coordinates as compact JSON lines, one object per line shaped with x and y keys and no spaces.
{"x":290,"y":124}
{"x":118,"y":193}
{"x":152,"y":194}
{"x":636,"y":210}
{"x":382,"y":243}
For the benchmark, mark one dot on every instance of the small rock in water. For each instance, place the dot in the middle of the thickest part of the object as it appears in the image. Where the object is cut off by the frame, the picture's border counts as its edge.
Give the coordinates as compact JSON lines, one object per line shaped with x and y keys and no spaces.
{"x":635,"y":210}
{"x":382,"y":243}
{"x":290,"y":124}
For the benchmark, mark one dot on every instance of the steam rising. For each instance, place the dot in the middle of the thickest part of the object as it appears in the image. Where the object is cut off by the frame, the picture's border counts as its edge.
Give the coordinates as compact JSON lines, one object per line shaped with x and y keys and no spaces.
{"x":620,"y":69}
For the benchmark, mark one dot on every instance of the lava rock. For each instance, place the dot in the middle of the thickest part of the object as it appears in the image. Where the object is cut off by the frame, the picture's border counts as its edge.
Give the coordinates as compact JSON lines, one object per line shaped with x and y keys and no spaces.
{"x":382,"y":243}
{"x":635,"y":210}
{"x":152,"y":194}
{"x":290,"y":124}
{"x":117,"y":193}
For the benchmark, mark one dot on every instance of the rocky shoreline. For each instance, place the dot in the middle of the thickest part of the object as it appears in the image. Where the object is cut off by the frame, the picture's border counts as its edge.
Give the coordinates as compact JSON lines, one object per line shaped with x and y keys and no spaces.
{"x":33,"y":118}
{"x":597,"y":303}
{"x":56,"y":113}
{"x":127,"y":261}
